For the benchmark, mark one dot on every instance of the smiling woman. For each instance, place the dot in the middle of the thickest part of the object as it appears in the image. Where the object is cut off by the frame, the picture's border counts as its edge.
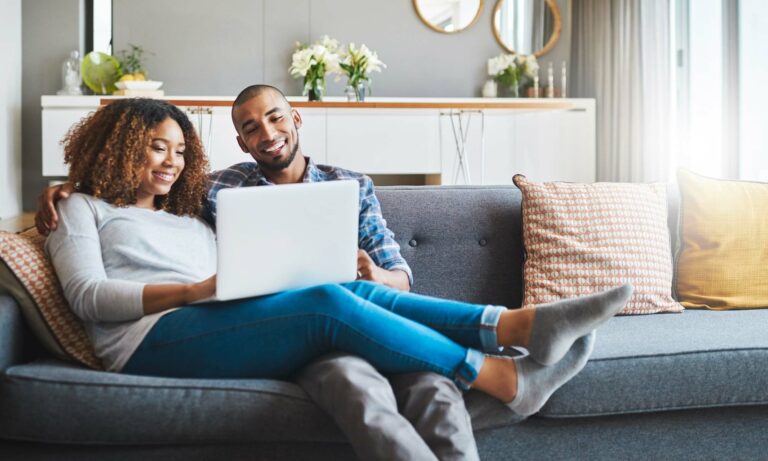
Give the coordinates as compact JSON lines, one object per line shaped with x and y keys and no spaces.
{"x":132,"y":150}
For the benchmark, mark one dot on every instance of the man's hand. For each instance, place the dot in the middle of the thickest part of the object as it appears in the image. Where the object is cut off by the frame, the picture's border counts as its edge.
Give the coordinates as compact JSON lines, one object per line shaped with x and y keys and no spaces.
{"x":46,"y":218}
{"x":368,"y":270}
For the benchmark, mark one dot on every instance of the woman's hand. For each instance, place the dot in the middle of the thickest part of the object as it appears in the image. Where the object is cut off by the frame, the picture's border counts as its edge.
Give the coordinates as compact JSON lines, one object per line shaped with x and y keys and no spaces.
{"x":159,"y":298}
{"x":204,"y":289}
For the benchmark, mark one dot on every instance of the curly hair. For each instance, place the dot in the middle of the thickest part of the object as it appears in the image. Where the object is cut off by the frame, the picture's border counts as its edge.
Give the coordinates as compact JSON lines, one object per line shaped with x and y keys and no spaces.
{"x":106,"y":153}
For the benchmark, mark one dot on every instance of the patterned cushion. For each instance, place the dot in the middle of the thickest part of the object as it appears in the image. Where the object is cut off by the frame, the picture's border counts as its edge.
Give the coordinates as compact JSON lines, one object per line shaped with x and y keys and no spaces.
{"x":582,"y":238}
{"x":28,"y":276}
{"x":722,"y":260}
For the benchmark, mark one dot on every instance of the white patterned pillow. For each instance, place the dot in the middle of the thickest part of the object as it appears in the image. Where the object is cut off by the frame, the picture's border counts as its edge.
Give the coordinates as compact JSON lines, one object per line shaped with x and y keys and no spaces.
{"x":583,"y":238}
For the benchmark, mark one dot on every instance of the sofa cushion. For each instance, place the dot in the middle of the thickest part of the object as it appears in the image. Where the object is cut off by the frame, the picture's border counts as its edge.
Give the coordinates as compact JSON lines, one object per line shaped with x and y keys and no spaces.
{"x":462,"y":242}
{"x":583,"y":238}
{"x":28,"y":276}
{"x":667,"y":362}
{"x":55,"y":402}
{"x":722,"y":262}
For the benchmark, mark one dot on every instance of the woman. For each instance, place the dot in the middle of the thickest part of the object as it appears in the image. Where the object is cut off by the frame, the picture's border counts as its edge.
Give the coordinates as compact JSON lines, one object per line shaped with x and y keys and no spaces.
{"x":132,"y":257}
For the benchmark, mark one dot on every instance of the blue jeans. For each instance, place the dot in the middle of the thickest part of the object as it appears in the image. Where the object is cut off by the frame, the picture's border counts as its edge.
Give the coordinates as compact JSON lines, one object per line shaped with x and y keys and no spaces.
{"x":273,"y":336}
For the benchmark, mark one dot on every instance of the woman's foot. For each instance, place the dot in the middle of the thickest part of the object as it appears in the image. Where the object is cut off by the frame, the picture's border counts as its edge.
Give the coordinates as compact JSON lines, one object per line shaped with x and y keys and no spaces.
{"x":536,"y":382}
{"x":557,"y":325}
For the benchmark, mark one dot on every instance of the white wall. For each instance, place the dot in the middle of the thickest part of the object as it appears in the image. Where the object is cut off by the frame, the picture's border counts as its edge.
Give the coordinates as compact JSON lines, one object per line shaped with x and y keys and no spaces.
{"x":10,"y":108}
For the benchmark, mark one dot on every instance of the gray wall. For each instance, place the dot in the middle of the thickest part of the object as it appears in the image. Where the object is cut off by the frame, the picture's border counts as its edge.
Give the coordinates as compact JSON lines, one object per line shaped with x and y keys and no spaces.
{"x":248,"y":41}
{"x":10,"y":108}
{"x":49,"y":31}
{"x":204,"y":47}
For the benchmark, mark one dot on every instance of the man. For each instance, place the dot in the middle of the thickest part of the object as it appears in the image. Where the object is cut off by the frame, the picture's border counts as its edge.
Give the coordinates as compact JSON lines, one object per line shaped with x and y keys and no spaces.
{"x":434,"y":423}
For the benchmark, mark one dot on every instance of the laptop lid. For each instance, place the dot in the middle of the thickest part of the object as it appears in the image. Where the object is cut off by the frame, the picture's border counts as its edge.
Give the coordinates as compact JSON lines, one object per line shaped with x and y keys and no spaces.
{"x":277,"y":238}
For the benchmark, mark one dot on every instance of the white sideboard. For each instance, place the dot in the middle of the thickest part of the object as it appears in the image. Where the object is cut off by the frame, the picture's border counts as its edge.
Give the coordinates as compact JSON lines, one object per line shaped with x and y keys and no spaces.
{"x":453,"y":141}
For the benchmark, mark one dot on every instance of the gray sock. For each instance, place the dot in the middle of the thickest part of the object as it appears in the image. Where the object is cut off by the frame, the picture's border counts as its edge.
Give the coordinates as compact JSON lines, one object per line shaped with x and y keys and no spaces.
{"x":557,"y":325}
{"x":536,"y":382}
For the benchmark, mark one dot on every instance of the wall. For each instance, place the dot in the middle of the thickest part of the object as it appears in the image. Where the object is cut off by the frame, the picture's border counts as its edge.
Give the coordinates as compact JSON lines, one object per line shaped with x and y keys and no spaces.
{"x":203,"y":47}
{"x":50,"y":30}
{"x":249,"y":41}
{"x":10,"y":108}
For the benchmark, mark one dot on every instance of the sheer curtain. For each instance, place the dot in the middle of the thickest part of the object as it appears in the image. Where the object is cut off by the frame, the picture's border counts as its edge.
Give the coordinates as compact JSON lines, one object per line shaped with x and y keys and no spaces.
{"x":620,"y":56}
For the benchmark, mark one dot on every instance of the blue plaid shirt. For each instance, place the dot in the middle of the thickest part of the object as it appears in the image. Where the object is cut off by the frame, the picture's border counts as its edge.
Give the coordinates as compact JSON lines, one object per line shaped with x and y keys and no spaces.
{"x":373,"y":235}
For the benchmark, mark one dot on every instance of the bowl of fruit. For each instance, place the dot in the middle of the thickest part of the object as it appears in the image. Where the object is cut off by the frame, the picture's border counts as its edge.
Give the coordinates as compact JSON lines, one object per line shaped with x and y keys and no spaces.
{"x":133,"y":74}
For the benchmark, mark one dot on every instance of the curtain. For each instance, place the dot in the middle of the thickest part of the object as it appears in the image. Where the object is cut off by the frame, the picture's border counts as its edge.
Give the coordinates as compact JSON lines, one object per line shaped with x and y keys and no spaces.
{"x":620,"y":56}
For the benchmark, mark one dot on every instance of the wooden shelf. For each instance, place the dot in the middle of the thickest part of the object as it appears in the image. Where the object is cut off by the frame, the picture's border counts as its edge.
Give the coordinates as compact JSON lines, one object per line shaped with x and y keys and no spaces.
{"x":469,"y":105}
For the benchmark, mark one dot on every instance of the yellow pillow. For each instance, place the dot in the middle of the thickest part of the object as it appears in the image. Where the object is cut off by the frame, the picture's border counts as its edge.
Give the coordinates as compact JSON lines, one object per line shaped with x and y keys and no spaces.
{"x":723,"y":254}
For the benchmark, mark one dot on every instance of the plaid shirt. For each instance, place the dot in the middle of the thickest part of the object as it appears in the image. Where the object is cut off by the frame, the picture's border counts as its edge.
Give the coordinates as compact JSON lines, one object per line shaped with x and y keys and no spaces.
{"x":373,"y":235}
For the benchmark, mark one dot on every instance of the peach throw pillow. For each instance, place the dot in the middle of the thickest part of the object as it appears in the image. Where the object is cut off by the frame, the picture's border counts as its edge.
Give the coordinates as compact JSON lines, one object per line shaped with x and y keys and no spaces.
{"x":583,"y":238}
{"x":28,"y":276}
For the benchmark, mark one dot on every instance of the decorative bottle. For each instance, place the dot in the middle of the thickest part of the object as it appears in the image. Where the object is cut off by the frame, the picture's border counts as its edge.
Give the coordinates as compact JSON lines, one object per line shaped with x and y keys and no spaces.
{"x":70,"y":75}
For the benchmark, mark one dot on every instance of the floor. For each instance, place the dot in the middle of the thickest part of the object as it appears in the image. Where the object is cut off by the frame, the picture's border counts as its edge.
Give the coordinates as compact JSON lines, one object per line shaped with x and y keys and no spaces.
{"x":17,"y":223}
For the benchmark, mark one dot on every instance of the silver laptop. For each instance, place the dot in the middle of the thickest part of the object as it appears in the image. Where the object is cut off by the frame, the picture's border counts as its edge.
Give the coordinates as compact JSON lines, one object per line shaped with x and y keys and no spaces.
{"x":277,"y":238}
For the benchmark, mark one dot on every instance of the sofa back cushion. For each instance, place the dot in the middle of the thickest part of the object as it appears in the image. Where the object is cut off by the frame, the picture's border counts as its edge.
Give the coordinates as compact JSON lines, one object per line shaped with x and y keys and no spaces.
{"x":466,"y":242}
{"x":462,"y":242}
{"x":28,"y":276}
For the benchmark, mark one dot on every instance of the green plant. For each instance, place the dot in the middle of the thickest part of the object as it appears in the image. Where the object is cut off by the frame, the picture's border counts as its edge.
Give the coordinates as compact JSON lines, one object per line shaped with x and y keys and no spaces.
{"x":132,"y":61}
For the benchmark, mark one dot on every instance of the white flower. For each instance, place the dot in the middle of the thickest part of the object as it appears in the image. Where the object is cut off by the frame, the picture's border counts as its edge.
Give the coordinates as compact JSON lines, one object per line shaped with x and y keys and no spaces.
{"x":321,"y":53}
{"x":329,"y":43}
{"x":529,"y":65}
{"x":500,"y":63}
{"x":302,"y":60}
{"x":360,"y":62}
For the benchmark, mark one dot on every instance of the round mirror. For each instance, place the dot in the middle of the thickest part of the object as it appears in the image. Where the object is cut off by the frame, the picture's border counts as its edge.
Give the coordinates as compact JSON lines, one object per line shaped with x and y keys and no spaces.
{"x":526,"y":26}
{"x":448,"y":16}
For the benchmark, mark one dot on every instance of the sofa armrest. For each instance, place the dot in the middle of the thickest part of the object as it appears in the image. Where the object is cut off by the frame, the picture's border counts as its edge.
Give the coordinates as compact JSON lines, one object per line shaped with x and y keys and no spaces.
{"x":13,"y":333}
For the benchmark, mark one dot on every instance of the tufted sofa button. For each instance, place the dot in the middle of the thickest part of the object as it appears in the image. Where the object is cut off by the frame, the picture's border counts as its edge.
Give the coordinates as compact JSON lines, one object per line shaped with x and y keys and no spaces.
{"x":412,"y":242}
{"x":483,"y":242}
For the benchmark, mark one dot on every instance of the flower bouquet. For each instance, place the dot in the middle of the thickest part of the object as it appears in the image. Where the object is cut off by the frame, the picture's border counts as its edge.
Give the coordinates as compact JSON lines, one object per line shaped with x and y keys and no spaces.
{"x":357,"y":64}
{"x":513,"y":71}
{"x":312,"y":62}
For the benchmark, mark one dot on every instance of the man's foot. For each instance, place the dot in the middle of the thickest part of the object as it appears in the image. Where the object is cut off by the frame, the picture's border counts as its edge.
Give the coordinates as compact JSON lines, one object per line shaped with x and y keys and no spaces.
{"x":557,"y":325}
{"x":536,"y":382}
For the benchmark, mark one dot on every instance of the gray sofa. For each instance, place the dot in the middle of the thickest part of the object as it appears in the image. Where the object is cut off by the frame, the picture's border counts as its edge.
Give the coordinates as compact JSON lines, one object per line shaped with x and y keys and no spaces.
{"x":683,"y":386}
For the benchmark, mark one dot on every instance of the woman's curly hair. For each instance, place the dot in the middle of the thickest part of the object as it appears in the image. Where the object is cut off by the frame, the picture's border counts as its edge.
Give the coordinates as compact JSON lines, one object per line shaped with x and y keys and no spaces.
{"x":107,"y":152}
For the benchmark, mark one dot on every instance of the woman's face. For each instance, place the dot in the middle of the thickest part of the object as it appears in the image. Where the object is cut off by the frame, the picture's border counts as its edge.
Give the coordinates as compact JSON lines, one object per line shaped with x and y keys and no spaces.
{"x":165,"y":161}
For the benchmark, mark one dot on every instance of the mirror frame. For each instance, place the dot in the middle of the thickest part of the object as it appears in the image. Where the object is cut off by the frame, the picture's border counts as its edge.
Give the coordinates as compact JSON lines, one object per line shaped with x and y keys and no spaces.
{"x":552,"y":4}
{"x":480,"y":8}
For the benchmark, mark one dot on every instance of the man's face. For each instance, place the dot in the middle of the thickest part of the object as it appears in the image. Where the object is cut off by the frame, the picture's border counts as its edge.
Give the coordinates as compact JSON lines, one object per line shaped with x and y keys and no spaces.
{"x":267,"y":129}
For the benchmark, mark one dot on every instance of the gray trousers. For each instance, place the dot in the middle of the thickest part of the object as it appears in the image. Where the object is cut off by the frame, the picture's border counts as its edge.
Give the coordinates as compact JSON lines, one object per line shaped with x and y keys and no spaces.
{"x":414,"y":416}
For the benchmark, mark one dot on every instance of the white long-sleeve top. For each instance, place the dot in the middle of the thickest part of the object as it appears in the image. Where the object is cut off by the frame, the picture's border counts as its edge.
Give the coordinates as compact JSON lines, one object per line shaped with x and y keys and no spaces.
{"x":104,"y":255}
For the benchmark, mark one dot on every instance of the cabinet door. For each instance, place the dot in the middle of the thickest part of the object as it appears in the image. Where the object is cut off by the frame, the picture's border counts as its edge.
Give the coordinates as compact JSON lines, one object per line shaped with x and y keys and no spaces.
{"x":462,"y":147}
{"x":555,"y":146}
{"x":544,"y":145}
{"x":218,"y":134}
{"x":56,"y":124}
{"x":384,"y":141}
{"x":312,"y":134}
{"x":221,"y":143}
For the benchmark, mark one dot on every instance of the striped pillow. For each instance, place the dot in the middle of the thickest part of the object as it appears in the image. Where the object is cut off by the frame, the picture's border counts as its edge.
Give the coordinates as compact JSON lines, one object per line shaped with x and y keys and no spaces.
{"x":583,"y":238}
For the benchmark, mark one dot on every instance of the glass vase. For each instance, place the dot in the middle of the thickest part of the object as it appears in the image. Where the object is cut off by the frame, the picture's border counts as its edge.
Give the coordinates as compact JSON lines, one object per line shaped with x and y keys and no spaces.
{"x":514,"y":90}
{"x":358,"y":91}
{"x":315,"y":90}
